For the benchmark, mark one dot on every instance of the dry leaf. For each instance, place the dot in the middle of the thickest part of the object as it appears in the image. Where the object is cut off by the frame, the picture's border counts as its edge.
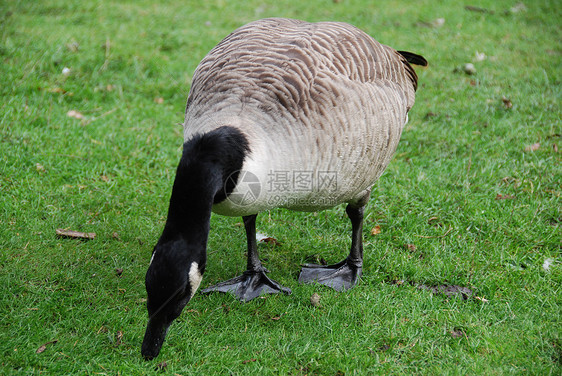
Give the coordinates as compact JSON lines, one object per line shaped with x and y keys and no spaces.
{"x":546,"y":264}
{"x":57,"y":90}
{"x":479,"y":56}
{"x":504,"y":197}
{"x":410,"y":247}
{"x":507,"y":103}
{"x":519,"y":7}
{"x":484,"y":300}
{"x":39,"y":167}
{"x":43,"y":347}
{"x":266,"y":239}
{"x":270,"y":240}
{"x":161,"y":366}
{"x":118,"y":272}
{"x":75,"y":114}
{"x":469,"y":68}
{"x":249,"y":360}
{"x":533,"y":147}
{"x":438,"y":22}
{"x":73,"y":46}
{"x":119,"y":338}
{"x":457,"y":333}
{"x":555,"y":148}
{"x":376,"y":230}
{"x":159,"y":100}
{"x":315,"y":300}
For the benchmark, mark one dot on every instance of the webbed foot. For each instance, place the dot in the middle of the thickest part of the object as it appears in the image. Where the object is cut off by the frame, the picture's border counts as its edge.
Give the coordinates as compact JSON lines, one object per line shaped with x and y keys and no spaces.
{"x":340,"y":276}
{"x":249,"y":286}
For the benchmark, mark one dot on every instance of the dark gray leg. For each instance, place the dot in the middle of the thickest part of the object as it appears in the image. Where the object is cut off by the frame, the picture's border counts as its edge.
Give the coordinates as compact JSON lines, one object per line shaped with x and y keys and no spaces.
{"x":253,"y":282}
{"x":343,"y":275}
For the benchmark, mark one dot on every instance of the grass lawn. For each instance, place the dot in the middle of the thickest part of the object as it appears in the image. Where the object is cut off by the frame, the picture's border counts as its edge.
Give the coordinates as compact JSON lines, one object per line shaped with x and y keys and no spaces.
{"x":93,"y":94}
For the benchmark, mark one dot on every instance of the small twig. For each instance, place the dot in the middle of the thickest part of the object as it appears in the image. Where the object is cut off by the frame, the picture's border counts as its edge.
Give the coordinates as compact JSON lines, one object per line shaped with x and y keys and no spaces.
{"x":75,"y":234}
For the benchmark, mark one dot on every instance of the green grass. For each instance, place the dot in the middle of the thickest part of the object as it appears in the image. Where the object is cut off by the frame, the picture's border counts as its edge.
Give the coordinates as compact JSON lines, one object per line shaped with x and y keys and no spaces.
{"x":111,"y":173}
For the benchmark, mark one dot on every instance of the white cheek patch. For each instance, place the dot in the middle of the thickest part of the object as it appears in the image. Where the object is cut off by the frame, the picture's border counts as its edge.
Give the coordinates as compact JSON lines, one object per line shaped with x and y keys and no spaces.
{"x":195,"y":278}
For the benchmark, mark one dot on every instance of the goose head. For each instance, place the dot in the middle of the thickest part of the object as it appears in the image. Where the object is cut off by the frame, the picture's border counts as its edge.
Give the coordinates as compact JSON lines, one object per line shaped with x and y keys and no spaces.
{"x":173,"y":277}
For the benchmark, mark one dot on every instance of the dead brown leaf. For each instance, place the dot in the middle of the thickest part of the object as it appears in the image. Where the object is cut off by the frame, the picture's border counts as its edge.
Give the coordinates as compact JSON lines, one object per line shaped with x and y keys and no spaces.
{"x":432,"y":219}
{"x":457,"y":333}
{"x":517,"y":8}
{"x":249,"y":360}
{"x":73,"y":46}
{"x":159,"y":100}
{"x":56,"y":90}
{"x":161,"y":366}
{"x":533,"y":147}
{"x":410,"y":247}
{"x":504,"y":197}
{"x":507,"y":103}
{"x":315,"y":300}
{"x":270,"y":240}
{"x":118,"y":272}
{"x":75,"y":114}
{"x":43,"y":347}
{"x":376,"y":230}
{"x":119,"y":338}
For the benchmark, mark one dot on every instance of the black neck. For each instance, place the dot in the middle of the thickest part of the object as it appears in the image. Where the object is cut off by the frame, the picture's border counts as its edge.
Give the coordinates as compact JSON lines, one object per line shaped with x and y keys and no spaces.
{"x":192,"y":197}
{"x":201,"y":180}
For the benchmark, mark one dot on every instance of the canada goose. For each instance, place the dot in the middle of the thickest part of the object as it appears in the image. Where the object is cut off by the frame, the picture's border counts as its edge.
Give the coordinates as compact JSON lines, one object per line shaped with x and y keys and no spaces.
{"x":281,"y":113}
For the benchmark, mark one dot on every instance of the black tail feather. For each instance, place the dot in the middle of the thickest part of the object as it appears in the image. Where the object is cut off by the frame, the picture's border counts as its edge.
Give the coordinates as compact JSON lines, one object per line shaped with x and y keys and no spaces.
{"x":413,"y":58}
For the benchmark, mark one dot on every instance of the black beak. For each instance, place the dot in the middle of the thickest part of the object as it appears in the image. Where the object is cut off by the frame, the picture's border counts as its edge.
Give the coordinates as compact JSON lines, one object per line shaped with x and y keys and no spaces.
{"x":153,"y":338}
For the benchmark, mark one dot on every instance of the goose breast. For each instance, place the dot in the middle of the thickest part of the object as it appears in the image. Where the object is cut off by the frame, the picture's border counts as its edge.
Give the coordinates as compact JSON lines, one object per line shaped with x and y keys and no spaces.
{"x":322,"y":105}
